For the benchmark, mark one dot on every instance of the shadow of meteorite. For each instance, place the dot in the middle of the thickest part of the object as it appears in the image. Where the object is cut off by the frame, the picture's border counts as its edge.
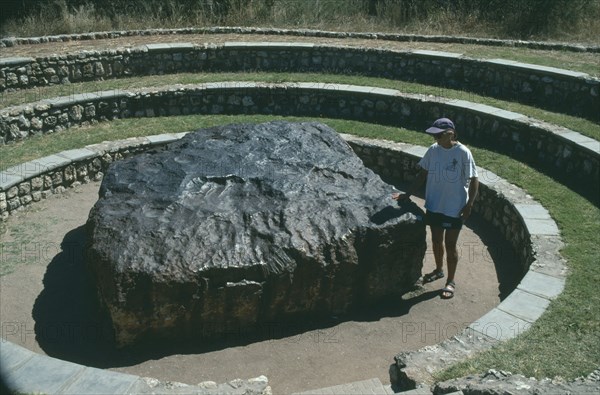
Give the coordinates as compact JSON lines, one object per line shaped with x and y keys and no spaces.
{"x":498,"y":249}
{"x":70,"y":323}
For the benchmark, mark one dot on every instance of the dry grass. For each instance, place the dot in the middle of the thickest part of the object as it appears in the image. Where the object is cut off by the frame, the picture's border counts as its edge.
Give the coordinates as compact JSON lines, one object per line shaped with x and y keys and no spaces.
{"x":573,"y":20}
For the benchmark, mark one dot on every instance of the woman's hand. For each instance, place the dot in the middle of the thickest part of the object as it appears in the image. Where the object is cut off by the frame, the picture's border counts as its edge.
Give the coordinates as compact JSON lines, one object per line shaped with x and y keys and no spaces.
{"x":466,"y":212}
{"x":400,"y":196}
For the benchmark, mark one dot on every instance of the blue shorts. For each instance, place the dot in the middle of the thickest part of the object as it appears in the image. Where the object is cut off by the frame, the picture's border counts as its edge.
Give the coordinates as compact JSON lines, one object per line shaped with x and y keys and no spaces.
{"x":438,"y":220}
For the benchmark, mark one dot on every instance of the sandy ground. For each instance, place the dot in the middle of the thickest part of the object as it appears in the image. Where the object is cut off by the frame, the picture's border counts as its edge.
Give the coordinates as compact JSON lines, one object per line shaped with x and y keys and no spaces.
{"x":46,"y":305}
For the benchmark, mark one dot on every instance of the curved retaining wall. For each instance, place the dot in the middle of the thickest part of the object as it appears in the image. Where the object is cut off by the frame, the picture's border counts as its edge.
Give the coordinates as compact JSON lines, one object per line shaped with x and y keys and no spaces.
{"x":557,"y":46}
{"x":524,"y":223}
{"x":547,"y":87}
{"x":566,"y":155}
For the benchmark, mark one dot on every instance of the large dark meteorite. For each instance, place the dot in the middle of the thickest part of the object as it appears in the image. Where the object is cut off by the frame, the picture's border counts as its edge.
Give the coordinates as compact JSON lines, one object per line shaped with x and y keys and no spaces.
{"x":239,"y":225}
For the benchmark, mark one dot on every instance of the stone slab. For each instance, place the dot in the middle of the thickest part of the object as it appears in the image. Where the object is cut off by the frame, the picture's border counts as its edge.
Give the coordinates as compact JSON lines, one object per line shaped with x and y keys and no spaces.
{"x":180,"y":135}
{"x":384,"y":92}
{"x":509,"y":115}
{"x":63,"y":101}
{"x":502,"y":62}
{"x":575,"y":137}
{"x":524,"y":305}
{"x":416,"y":151}
{"x":541,"y":227}
{"x":418,"y":391}
{"x":553,"y":70}
{"x":79,"y":154}
{"x":488,"y":177}
{"x":552,"y":267}
{"x":98,"y":381}
{"x":111,"y":94}
{"x":500,"y":325}
{"x":581,"y":140}
{"x":162,"y":139}
{"x":12,"y":355}
{"x":15,"y":61}
{"x":258,"y":44}
{"x":51,"y":162}
{"x":438,"y":54}
{"x":532,"y":211}
{"x":468,"y":105}
{"x":158,"y":47}
{"x":534,"y":67}
{"x":87,"y":97}
{"x":591,"y":145}
{"x":42,"y":374}
{"x":370,"y":386}
{"x":25,"y":170}
{"x":232,"y":85}
{"x":182,"y":46}
{"x":361,"y":89}
{"x":484,"y":108}
{"x":8,"y":179}
{"x":542,"y":284}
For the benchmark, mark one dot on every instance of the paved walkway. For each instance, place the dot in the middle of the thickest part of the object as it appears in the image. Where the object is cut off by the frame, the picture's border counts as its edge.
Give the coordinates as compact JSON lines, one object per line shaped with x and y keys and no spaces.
{"x":27,"y":372}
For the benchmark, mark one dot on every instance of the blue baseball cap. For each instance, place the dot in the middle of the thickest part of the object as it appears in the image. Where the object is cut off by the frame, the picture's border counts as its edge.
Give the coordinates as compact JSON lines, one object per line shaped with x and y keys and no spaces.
{"x":440,"y":125}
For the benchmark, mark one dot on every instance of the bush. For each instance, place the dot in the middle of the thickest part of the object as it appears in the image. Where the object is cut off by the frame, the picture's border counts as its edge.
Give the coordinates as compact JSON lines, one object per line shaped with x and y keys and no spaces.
{"x":520,"y":19}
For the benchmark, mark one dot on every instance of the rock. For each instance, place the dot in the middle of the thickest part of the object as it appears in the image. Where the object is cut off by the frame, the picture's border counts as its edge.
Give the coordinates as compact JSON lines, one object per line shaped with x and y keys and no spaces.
{"x":255,"y":386}
{"x":234,"y":226}
{"x":499,"y":382}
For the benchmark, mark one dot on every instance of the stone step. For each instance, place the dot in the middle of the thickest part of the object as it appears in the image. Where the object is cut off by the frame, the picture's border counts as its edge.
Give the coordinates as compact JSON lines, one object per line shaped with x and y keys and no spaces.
{"x":425,"y":391}
{"x":26,"y":372}
{"x":417,"y":391}
{"x":364,"y":387}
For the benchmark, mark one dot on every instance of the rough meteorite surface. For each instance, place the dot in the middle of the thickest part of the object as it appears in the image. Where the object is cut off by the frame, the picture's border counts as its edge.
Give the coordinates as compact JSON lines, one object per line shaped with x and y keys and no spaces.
{"x":238,"y":225}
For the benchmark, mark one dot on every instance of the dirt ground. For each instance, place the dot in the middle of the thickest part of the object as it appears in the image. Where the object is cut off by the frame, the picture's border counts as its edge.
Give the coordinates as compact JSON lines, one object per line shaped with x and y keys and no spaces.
{"x":47,"y":306}
{"x":200,"y":39}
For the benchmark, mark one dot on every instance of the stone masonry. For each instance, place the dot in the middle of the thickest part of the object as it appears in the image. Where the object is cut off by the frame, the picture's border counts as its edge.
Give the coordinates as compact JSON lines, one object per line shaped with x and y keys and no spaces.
{"x":555,"y":89}
{"x":567,"y":155}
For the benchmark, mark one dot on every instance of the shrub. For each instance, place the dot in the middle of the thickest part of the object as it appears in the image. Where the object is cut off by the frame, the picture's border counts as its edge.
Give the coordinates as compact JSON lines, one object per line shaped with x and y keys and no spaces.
{"x":577,"y":20}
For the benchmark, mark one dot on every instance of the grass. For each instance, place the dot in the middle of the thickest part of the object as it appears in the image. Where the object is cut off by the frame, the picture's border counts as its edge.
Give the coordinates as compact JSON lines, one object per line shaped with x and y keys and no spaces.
{"x":572,"y":20}
{"x":564,"y":341}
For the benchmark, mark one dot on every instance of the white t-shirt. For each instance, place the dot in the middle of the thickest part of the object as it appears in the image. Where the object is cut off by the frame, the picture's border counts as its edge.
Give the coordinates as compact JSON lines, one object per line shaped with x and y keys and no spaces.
{"x":449,"y":173}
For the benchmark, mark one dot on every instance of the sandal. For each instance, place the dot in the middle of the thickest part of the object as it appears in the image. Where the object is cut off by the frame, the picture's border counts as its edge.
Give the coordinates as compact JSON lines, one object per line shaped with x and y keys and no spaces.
{"x":448,"y":290}
{"x":434,"y":275}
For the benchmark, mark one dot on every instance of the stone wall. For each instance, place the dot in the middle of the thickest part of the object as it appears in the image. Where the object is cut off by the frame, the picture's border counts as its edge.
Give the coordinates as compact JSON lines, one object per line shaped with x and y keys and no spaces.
{"x":33,"y":181}
{"x":551,"y":88}
{"x":566,"y":155}
{"x":543,"y":45}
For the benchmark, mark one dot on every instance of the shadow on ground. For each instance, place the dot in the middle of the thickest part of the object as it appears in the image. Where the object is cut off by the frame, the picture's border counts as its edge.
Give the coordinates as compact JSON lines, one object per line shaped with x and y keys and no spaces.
{"x":500,"y":252}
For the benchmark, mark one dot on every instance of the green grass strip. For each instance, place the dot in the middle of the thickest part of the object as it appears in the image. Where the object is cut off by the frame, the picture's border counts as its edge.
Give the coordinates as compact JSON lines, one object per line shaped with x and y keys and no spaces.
{"x":585,"y":127}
